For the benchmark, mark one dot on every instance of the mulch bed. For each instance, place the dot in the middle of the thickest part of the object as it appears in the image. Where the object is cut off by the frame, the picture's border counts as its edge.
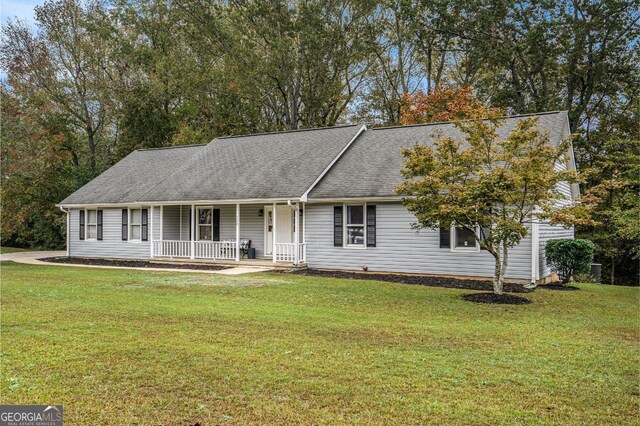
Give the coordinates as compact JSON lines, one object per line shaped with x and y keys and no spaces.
{"x":131,"y":263}
{"x":425,"y":280}
{"x":559,"y":287}
{"x":502,"y":299}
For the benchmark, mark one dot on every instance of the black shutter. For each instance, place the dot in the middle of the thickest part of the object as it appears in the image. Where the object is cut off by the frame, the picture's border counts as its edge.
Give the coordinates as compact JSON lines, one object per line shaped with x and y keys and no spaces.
{"x":145,"y":224}
{"x":125,"y":224}
{"x":371,"y":226}
{"x":191,"y":219}
{"x":216,"y":224}
{"x":445,"y":237}
{"x":337,"y":226}
{"x":81,"y":222}
{"x":99,"y":225}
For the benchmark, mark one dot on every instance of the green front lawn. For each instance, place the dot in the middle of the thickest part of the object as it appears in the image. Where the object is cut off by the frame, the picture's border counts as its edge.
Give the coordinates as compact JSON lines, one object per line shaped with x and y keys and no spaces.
{"x":7,"y":250}
{"x":129,"y":347}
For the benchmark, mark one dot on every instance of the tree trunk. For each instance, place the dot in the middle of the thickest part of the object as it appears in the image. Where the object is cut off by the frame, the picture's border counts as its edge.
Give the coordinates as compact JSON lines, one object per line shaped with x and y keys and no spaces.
{"x":92,"y":147}
{"x":500,"y":269}
{"x":613,"y":270}
{"x":497,"y":275}
{"x":503,"y":269}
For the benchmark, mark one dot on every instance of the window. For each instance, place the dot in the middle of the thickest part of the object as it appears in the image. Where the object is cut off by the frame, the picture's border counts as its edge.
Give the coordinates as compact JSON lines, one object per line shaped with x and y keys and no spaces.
{"x":464,"y":238}
{"x":355,"y":226}
{"x":135,"y":224}
{"x":205,"y":224}
{"x":92,"y":224}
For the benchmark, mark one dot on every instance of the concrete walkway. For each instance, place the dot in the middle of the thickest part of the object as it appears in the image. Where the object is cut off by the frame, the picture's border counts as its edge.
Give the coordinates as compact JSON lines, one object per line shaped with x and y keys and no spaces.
{"x":33,"y":258}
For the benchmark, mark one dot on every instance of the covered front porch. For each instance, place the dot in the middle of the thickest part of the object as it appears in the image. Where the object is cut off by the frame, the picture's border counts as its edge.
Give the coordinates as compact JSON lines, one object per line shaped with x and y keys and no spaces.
{"x":254,"y":233}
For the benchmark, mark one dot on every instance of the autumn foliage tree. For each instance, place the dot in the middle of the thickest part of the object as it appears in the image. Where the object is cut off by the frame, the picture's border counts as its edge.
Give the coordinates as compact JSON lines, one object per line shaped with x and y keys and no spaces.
{"x":445,"y":104}
{"x":489,"y":183}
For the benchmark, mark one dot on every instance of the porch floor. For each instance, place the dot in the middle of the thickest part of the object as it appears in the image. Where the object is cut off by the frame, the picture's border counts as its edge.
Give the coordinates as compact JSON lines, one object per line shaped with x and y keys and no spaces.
{"x":266,"y":262}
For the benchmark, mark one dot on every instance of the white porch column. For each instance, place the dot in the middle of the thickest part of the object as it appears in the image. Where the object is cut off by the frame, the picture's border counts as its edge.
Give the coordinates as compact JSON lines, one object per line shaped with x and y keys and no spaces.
{"x":237,"y":232}
{"x":151,"y":232}
{"x":273,"y":234}
{"x":193,"y":231}
{"x":296,"y":234}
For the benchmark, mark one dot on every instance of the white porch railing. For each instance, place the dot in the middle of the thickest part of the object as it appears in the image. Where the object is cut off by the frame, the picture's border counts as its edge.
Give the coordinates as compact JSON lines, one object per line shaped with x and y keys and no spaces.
{"x":202,"y":249}
{"x":285,"y":252}
{"x":215,"y":249}
{"x":171,"y":248}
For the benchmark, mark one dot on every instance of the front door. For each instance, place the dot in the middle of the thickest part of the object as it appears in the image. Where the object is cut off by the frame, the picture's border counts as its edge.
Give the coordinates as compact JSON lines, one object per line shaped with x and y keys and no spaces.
{"x":283,"y":226}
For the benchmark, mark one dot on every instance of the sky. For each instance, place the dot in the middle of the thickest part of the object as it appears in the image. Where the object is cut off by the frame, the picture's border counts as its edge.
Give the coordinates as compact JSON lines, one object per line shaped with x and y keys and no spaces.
{"x":22,"y":9}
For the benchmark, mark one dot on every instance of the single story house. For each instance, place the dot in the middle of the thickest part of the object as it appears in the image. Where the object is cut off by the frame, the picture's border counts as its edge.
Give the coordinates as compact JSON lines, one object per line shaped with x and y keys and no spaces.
{"x":323,"y":198}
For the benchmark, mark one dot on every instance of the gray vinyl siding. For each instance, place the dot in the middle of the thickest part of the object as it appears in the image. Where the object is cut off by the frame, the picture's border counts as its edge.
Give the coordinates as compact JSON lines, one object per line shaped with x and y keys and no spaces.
{"x":171,"y":223}
{"x":400,"y":249}
{"x":252,"y":227}
{"x":155,"y":229}
{"x":548,"y":232}
{"x":111,"y":245}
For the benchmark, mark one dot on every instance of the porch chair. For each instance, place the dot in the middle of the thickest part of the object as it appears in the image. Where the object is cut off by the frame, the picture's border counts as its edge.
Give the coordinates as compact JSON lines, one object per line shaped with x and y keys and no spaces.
{"x":245,"y":244}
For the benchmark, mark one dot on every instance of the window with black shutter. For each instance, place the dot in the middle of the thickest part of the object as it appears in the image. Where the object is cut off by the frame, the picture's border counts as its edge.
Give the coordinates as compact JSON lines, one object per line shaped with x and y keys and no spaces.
{"x":81,"y":222}
{"x":99,"y":226}
{"x":125,"y":224}
{"x":445,"y":237}
{"x":371,"y":226}
{"x":145,"y":224}
{"x":216,"y":224}
{"x":337,"y":226}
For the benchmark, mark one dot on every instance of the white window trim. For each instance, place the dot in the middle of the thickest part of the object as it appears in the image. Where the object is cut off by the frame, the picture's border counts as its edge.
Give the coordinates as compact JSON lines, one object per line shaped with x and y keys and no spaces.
{"x":453,"y":242}
{"x":130,"y":224}
{"x":198,"y":208}
{"x":345,"y":215}
{"x":86,"y":224}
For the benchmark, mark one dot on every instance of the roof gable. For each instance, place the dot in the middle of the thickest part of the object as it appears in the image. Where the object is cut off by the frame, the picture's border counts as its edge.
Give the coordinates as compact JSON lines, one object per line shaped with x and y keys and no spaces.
{"x":371,"y":166}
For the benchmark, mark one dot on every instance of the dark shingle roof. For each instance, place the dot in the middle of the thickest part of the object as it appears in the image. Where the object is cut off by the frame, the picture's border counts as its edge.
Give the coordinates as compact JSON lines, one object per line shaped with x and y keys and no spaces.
{"x":133,"y":176}
{"x":371,"y":166}
{"x":268,"y":165}
{"x":274,"y":165}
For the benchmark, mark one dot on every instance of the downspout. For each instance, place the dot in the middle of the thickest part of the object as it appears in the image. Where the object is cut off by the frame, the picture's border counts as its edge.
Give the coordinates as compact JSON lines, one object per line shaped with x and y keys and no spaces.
{"x":535,"y":251}
{"x":67,"y":236}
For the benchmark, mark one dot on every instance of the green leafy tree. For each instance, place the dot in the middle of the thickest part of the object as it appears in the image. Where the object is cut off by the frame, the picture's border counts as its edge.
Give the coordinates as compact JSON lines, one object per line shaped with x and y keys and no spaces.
{"x":488,"y":184}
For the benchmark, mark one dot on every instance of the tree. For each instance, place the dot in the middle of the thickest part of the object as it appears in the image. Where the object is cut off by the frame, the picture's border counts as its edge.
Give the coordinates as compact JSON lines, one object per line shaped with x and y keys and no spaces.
{"x":615,"y":184}
{"x":489,"y":184}
{"x":65,"y":64}
{"x":443,"y":104}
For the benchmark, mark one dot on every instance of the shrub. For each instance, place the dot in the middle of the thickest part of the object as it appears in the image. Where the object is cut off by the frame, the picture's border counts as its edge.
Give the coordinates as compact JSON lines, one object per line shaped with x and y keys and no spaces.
{"x":569,"y":257}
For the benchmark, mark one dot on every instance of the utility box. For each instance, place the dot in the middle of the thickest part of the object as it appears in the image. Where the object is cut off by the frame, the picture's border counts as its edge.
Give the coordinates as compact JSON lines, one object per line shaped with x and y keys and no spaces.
{"x":596,"y":271}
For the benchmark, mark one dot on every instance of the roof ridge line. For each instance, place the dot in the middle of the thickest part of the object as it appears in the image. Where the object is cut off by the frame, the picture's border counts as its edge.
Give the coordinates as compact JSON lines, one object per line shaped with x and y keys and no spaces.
{"x":289,"y":131}
{"x":435,"y":123}
{"x":172,"y":147}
